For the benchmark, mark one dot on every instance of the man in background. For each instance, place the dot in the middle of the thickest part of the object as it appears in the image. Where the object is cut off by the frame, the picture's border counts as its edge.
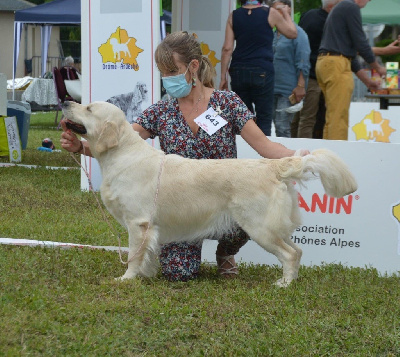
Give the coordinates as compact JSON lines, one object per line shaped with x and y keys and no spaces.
{"x":342,"y":39}
{"x":312,"y":22}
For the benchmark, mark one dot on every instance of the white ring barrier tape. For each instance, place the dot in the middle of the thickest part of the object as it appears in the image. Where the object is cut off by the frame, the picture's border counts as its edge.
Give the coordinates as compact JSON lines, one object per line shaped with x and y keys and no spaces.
{"x":43,"y":243}
{"x":6,"y":164}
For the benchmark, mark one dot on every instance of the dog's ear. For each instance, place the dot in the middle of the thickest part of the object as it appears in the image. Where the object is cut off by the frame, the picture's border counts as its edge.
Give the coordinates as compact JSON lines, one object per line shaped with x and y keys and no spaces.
{"x":108,"y":137}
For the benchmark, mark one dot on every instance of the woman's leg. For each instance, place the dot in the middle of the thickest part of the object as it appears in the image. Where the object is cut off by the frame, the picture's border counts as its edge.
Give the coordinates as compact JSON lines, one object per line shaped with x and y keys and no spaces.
{"x":262,"y":94}
{"x":228,"y":246}
{"x":180,"y":261}
{"x":282,"y":119}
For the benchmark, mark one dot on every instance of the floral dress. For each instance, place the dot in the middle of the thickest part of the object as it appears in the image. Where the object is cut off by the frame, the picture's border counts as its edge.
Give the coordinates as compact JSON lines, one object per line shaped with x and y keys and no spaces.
{"x":181,"y":261}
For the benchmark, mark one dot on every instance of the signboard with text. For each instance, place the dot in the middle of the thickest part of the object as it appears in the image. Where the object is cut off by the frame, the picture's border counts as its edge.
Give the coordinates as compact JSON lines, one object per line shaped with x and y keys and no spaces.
{"x":14,"y":142}
{"x":361,"y":229}
{"x":118,"y":42}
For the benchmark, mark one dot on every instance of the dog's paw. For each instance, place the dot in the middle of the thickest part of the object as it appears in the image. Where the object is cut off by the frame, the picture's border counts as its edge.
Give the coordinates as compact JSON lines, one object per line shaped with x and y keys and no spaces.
{"x":125,"y":277}
{"x":283,"y":283}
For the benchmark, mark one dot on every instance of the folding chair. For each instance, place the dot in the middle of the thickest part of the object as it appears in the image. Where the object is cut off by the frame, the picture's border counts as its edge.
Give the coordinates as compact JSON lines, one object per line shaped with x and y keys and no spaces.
{"x":69,"y":73}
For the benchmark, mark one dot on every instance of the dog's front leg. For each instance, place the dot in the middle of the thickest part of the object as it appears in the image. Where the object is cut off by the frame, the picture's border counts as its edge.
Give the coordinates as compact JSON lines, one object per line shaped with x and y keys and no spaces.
{"x":141,"y":256}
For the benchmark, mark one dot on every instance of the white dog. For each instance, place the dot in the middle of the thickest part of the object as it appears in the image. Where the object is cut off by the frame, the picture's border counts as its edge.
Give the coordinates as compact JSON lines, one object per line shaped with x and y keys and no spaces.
{"x":198,"y":198}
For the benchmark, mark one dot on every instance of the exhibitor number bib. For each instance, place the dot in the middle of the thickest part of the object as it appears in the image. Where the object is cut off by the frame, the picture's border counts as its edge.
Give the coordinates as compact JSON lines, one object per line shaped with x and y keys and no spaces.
{"x":210,"y":121}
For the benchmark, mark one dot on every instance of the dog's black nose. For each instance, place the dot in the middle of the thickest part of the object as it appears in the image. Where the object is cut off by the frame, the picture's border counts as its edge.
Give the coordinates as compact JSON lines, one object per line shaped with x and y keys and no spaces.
{"x":66,"y":104}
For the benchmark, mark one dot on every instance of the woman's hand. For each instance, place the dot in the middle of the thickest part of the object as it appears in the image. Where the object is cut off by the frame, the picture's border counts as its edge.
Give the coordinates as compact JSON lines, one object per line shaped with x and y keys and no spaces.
{"x":299,"y":93}
{"x":223,"y":85}
{"x":301,"y":152}
{"x":69,"y":141}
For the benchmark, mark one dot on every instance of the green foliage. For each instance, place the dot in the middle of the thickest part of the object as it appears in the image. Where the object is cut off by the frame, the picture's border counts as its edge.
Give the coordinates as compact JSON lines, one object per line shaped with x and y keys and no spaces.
{"x":65,"y":302}
{"x":167,"y":5}
{"x":299,"y":6}
{"x":303,"y":6}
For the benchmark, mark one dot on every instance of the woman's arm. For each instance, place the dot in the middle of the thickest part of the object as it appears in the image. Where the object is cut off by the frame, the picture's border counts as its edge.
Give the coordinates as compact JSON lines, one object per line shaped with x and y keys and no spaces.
{"x":302,"y":64}
{"x":282,"y":21}
{"x":253,"y":135}
{"x":144,"y":134}
{"x":391,"y":49}
{"x":300,"y":90}
{"x":226,"y":53}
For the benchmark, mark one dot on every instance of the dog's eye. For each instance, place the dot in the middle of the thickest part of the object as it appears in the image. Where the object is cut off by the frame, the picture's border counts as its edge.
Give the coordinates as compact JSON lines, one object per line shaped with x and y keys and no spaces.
{"x":88,"y":109}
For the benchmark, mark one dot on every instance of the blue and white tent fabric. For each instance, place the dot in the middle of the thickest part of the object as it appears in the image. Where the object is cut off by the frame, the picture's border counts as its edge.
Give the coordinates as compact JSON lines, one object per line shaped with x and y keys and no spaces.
{"x":57,"y":12}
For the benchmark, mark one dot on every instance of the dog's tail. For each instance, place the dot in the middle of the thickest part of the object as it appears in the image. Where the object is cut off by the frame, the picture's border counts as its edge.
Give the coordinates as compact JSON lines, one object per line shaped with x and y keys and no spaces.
{"x":335,"y":176}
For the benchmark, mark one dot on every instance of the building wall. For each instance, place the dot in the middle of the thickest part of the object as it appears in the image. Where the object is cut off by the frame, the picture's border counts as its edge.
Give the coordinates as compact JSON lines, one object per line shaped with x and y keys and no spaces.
{"x":30,"y":36}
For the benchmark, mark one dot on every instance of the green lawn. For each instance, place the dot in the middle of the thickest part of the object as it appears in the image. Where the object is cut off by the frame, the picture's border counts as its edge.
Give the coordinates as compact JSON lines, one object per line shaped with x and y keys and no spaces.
{"x":65,"y":302}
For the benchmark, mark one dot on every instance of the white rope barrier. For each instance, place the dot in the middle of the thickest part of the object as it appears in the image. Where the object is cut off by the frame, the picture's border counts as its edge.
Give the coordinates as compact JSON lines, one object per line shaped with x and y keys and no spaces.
{"x":43,"y":243}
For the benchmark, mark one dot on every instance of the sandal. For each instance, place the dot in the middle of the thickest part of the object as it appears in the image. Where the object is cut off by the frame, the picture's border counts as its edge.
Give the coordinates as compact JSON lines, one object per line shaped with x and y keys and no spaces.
{"x":226,"y":268}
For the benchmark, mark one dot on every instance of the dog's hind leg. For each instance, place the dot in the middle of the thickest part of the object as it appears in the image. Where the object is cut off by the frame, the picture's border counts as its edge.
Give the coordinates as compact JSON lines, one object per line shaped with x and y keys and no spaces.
{"x":299,"y":253}
{"x":287,"y":254}
{"x":142,"y":251}
{"x":296,"y":221}
{"x":270,"y":226}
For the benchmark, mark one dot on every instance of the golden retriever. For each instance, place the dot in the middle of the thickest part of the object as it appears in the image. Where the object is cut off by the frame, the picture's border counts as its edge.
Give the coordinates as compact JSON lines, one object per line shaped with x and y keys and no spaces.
{"x":198,"y":198}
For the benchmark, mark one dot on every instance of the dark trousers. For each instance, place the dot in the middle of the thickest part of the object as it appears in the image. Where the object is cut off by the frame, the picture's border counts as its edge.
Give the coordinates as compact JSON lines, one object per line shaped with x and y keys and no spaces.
{"x":255,"y":85}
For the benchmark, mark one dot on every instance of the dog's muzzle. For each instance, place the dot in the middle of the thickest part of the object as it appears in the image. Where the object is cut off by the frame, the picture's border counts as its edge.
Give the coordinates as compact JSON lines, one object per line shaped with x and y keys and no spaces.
{"x":75,"y":127}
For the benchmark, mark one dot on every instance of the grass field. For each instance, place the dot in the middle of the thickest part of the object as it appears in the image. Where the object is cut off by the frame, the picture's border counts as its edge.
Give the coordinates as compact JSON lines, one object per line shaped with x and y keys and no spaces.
{"x":65,"y":302}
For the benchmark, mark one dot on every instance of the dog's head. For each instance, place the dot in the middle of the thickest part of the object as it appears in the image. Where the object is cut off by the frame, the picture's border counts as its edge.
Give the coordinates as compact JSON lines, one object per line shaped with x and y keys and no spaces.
{"x":140,"y":93}
{"x":98,"y":122}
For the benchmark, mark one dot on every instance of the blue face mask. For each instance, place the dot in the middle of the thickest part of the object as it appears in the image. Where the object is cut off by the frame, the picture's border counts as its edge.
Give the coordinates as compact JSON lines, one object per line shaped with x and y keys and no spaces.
{"x":177,"y":86}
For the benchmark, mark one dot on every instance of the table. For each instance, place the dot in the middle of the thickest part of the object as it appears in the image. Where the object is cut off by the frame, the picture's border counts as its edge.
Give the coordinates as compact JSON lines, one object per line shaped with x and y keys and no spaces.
{"x":385,"y":99}
{"x":42,"y":91}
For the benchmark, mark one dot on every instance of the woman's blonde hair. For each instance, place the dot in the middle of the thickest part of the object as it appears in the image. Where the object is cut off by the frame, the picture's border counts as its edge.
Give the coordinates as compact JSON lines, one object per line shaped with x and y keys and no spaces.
{"x":187,"y":48}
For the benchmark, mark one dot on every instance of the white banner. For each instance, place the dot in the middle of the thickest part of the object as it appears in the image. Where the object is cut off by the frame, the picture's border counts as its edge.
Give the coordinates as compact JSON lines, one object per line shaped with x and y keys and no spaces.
{"x":360,"y":230}
{"x":14,"y":142}
{"x":368,"y":123}
{"x":119,"y":38}
{"x":207,"y":19}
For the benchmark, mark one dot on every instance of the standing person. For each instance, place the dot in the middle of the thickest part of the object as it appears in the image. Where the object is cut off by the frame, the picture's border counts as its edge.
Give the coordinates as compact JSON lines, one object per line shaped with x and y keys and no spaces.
{"x":292,"y":67}
{"x":312,"y":22}
{"x":342,"y":39}
{"x":187,"y":76}
{"x":251,"y":68}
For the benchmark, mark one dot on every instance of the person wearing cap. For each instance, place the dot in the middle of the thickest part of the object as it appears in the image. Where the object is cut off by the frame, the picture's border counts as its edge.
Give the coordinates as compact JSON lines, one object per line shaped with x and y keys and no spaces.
{"x":48,"y":143}
{"x":292,"y":67}
{"x":343,"y":37}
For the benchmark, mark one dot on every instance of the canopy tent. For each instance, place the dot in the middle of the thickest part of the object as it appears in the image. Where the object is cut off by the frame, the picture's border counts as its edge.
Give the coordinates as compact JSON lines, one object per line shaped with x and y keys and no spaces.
{"x":57,"y":12}
{"x":66,"y":12}
{"x":385,"y":12}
